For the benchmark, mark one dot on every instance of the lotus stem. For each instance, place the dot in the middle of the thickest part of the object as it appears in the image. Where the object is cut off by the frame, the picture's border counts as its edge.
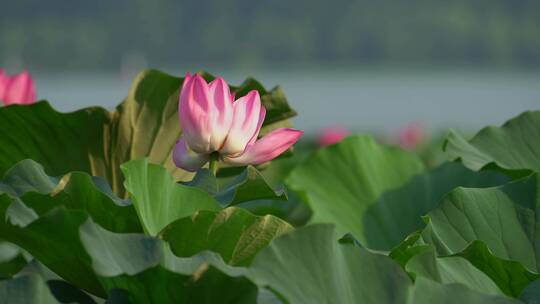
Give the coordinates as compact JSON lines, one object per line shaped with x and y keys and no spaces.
{"x":214,"y":165}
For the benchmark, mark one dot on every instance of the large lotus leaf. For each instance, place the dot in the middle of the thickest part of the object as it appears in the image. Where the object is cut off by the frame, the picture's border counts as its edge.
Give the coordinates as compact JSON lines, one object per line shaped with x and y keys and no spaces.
{"x":149,"y":273}
{"x":398,"y":212}
{"x":452,"y":269}
{"x":514,"y":147}
{"x":234,"y":233}
{"x":377,"y":193}
{"x":427,"y":291}
{"x":309,"y":265}
{"x":505,"y":218}
{"x":96,"y":141}
{"x":27,"y":176}
{"x":305,"y":266}
{"x":510,"y":276}
{"x":158,"y":199}
{"x":340,"y":182}
{"x":26,"y":289}
{"x":53,"y":240}
{"x":46,"y":224}
{"x":61,"y":142}
{"x":28,"y":182}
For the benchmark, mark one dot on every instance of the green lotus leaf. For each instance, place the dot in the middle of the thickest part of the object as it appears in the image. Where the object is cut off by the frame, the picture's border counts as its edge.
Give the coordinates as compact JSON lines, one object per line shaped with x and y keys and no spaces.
{"x":451,"y":269}
{"x":42,"y":214}
{"x":427,"y":291}
{"x":148,"y":272}
{"x":305,"y":266}
{"x":27,"y":182}
{"x":377,"y":193}
{"x":158,"y":199}
{"x":504,"y":219}
{"x":513,"y":147}
{"x":53,"y":240}
{"x":234,"y":233}
{"x":309,"y":265}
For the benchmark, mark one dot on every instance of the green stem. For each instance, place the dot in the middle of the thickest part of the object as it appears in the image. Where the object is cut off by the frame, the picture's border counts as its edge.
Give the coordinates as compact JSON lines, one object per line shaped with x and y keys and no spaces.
{"x":214,"y":165}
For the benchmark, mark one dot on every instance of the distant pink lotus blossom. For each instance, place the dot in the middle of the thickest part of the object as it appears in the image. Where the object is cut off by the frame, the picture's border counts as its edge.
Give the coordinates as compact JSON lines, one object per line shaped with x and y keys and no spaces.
{"x":17,"y":89}
{"x":332,"y":135}
{"x":213,"y":122}
{"x":411,"y":136}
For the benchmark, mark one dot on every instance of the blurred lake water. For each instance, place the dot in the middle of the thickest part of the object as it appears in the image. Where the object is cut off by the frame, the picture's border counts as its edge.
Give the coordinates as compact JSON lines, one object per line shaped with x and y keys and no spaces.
{"x":362,"y":100}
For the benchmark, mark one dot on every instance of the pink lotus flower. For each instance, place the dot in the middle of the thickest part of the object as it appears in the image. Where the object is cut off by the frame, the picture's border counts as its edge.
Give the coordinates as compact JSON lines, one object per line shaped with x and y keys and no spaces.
{"x":17,"y":89}
{"x":215,"y":127}
{"x":411,"y":136}
{"x":330,"y":136}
